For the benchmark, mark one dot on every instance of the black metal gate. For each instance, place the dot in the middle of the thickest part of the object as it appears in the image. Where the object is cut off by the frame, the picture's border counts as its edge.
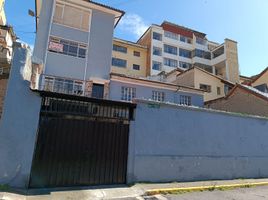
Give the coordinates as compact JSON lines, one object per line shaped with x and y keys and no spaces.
{"x":81,"y":141}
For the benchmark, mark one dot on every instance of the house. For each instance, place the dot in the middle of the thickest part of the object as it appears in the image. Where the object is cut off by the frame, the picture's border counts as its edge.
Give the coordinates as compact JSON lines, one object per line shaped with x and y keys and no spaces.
{"x":127,"y":88}
{"x":7,"y":38}
{"x":213,"y":85}
{"x":74,"y":45}
{"x":173,"y":46}
{"x":129,"y":58}
{"x":260,"y":81}
{"x":242,"y":99}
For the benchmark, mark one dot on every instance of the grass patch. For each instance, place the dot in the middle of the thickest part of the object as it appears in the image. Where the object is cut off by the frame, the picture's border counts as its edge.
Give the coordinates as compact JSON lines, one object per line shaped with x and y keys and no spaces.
{"x":4,"y":188}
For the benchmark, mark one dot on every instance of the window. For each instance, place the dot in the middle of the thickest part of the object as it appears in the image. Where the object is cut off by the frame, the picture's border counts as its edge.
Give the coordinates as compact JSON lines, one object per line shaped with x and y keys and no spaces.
{"x":119,"y":48}
{"x":170,"y":49}
{"x":65,"y":86}
{"x":71,"y":16}
{"x":157,"y":65}
{"x":128,"y":93}
{"x":136,"y":67}
{"x":200,"y":41}
{"x":1,"y":70}
{"x":185,"y":39}
{"x":226,"y":89}
{"x":185,"y":100}
{"x":119,"y":62}
{"x":202,"y":54}
{"x":67,"y":47}
{"x":137,"y":53}
{"x":185,"y":65}
{"x":185,"y":53}
{"x":218,"y":91}
{"x":170,"y":62}
{"x":206,"y":88}
{"x":157,"y":51}
{"x":158,"y":96}
{"x":97,"y":91}
{"x":157,"y":36}
{"x":171,"y":35}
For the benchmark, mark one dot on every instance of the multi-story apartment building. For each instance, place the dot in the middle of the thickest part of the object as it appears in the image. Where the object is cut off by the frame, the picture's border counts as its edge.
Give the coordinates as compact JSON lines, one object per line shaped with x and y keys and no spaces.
{"x":173,"y":46}
{"x":129,"y":58}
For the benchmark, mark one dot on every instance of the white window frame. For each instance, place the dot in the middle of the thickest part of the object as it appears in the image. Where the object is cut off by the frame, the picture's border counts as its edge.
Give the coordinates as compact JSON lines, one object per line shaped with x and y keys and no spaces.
{"x":158,"y":96}
{"x":128,"y":93}
{"x":185,"y":100}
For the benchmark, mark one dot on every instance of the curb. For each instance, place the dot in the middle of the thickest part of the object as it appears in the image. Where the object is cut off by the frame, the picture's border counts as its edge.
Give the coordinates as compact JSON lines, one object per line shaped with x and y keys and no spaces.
{"x":203,"y":188}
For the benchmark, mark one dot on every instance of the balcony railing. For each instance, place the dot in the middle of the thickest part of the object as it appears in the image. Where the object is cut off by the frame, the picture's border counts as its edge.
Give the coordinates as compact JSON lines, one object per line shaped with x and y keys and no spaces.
{"x":218,"y":52}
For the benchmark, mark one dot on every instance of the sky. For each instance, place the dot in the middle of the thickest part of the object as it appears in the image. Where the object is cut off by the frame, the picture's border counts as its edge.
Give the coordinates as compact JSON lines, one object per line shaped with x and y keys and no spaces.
{"x":245,"y":21}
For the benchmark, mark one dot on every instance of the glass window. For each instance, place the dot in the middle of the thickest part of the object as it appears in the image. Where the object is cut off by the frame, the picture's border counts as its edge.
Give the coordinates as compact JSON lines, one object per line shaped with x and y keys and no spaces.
{"x":182,"y":38}
{"x":48,"y":84}
{"x":218,"y":91}
{"x":136,"y":67}
{"x":71,"y":16}
{"x":157,"y":51}
{"x":200,"y":41}
{"x":185,"y":100}
{"x":67,"y":47}
{"x":119,"y":48}
{"x":128,"y":93}
{"x":171,"y":35}
{"x":157,"y":65}
{"x":170,"y":49}
{"x":97,"y":91}
{"x":206,"y":88}
{"x":119,"y":62}
{"x":170,"y":62}
{"x":137,"y":53}
{"x":157,"y":36}
{"x":185,"y":53}
{"x":185,"y":65}
{"x":158,"y":96}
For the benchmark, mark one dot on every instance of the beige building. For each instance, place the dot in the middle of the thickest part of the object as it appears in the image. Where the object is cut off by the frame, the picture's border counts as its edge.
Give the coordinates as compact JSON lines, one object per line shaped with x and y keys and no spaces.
{"x":214,"y":86}
{"x":242,"y":99}
{"x":174,"y":46}
{"x":260,"y":79}
{"x":129,"y":58}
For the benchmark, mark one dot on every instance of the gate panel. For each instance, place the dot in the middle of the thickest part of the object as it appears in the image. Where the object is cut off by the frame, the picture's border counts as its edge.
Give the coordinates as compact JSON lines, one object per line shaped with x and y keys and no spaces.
{"x":79,"y":149}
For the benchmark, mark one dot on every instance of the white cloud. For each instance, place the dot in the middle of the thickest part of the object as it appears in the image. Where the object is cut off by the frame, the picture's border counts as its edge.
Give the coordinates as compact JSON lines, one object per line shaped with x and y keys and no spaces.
{"x":133,"y":24}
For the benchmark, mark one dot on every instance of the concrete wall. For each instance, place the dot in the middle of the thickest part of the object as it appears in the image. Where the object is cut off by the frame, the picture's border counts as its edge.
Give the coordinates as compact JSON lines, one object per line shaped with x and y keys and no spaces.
{"x":18,"y":126}
{"x":145,"y":92}
{"x":232,"y":60}
{"x":175,"y":143}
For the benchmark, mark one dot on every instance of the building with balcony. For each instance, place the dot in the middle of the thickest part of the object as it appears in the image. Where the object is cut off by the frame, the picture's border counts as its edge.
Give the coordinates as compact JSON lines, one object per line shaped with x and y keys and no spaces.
{"x":173,"y":46}
{"x":129,"y":58}
{"x":74,"y":45}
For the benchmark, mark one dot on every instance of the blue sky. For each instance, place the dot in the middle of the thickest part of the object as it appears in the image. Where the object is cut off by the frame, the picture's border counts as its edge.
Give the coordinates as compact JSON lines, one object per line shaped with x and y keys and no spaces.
{"x":245,"y":21}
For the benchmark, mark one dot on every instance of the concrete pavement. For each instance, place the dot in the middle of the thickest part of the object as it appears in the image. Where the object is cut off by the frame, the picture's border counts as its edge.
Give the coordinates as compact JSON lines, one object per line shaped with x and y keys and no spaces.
{"x":119,"y":192}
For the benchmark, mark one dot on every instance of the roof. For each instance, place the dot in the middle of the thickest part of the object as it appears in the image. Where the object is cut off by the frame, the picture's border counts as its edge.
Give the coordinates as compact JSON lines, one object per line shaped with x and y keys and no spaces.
{"x":246,"y":88}
{"x":218,"y":77}
{"x":197,"y":33}
{"x":256,"y":77}
{"x":129,"y":43}
{"x":117,"y":18}
{"x":154,"y":81}
{"x":10,"y":30}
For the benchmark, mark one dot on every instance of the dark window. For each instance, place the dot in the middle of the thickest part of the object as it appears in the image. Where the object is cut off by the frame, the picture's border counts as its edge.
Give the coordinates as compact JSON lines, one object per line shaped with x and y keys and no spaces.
{"x":170,"y":49}
{"x":185,"y":53}
{"x":185,"y":65}
{"x":119,"y":62}
{"x":119,"y":48}
{"x":206,"y":88}
{"x":170,"y":62}
{"x":157,"y":51}
{"x":218,"y":91}
{"x":157,"y":65}
{"x":82,"y":53}
{"x":157,"y":36}
{"x":136,"y":53}
{"x":97,"y":91}
{"x":136,"y":67}
{"x":202,"y":54}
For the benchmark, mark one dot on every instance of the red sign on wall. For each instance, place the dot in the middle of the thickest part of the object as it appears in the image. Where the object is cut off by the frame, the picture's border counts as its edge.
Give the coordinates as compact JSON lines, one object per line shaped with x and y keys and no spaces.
{"x":55,"y":46}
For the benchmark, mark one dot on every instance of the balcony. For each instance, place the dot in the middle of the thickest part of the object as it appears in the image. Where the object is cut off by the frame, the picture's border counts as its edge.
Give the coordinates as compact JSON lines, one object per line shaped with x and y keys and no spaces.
{"x":218,"y":55}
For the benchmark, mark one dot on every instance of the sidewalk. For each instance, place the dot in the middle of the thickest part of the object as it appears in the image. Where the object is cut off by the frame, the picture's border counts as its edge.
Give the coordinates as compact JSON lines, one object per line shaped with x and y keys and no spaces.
{"x":121,"y":192}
